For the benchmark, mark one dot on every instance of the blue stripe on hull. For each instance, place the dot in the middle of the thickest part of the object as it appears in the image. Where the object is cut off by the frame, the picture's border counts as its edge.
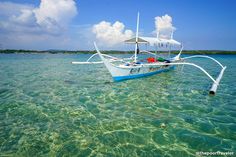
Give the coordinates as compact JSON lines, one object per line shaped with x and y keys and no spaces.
{"x":120,"y":78}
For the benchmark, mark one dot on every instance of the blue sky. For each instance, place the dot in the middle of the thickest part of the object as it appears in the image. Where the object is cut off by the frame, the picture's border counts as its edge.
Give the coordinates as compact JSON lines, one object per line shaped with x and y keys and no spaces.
{"x":200,"y":24}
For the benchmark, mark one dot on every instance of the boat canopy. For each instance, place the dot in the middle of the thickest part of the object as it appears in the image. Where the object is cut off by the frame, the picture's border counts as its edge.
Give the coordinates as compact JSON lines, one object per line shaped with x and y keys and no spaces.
{"x":133,"y":41}
{"x":154,"y":41}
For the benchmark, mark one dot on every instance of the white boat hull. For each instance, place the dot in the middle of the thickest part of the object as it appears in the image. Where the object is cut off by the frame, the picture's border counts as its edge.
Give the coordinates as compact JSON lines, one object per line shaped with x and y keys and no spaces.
{"x":125,"y":72}
{"x":119,"y":74}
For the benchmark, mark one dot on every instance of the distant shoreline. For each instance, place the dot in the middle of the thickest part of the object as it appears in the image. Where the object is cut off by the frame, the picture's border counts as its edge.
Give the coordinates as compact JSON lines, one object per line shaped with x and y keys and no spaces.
{"x":205,"y":52}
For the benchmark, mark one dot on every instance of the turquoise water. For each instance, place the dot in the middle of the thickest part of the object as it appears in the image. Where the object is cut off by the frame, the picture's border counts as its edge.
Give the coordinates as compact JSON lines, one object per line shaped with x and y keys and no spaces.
{"x":49,"y":107}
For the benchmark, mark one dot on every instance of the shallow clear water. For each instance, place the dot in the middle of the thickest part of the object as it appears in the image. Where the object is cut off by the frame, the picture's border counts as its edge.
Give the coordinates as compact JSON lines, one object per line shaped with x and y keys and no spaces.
{"x":49,"y":107}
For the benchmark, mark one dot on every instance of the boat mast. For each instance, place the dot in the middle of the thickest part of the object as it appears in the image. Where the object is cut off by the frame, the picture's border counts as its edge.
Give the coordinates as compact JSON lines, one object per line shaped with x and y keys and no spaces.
{"x":156,"y":46}
{"x":171,"y":37}
{"x":136,"y":41}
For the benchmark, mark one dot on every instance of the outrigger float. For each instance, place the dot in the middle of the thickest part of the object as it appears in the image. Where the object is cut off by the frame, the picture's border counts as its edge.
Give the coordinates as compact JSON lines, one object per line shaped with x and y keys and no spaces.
{"x":131,"y":68}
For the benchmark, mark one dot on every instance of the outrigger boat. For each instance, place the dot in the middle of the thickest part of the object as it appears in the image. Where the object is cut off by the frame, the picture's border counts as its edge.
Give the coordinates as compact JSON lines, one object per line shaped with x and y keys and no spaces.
{"x":131,"y":68}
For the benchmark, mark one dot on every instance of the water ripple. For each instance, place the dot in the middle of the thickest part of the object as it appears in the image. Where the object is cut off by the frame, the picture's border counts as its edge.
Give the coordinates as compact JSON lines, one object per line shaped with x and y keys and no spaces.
{"x":49,"y":107}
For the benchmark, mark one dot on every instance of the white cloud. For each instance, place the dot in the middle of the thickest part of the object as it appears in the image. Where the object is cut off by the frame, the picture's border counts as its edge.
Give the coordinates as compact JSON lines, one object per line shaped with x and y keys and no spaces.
{"x":110,"y":35}
{"x":25,"y":18}
{"x":48,"y":22}
{"x":9,"y":8}
{"x":55,"y":13}
{"x":164,"y":26}
{"x":51,"y":16}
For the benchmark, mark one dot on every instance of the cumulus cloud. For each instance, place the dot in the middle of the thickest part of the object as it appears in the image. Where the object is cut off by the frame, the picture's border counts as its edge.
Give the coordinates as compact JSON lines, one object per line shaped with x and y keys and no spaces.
{"x":9,"y":8}
{"x":111,"y":34}
{"x":25,"y":18}
{"x":164,"y":26}
{"x":50,"y":18}
{"x":55,"y":13}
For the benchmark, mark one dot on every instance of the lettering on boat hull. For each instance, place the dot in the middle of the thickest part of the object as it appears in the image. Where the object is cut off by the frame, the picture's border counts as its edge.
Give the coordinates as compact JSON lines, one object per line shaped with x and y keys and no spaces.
{"x":134,"y":71}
